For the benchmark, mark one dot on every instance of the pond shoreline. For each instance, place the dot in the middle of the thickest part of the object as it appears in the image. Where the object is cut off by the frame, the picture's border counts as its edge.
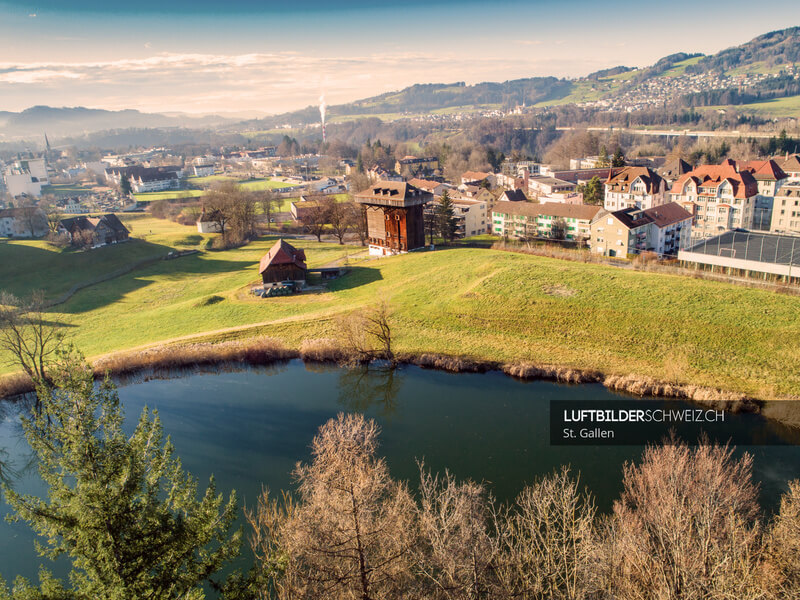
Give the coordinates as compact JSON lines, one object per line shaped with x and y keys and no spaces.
{"x":265,"y":351}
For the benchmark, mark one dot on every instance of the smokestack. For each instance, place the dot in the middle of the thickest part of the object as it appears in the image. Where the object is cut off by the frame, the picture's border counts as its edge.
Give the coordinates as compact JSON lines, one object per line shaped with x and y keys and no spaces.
{"x":322,"y":110}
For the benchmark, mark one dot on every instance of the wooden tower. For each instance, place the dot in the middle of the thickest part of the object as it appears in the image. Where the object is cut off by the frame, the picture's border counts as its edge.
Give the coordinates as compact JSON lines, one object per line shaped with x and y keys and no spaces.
{"x":395,"y":222}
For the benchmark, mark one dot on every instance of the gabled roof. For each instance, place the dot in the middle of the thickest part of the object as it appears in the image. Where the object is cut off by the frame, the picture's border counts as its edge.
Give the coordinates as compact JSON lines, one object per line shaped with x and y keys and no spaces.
{"x":674,"y":168}
{"x":84,"y":223}
{"x":764,"y":170}
{"x":789,"y":163}
{"x":474,"y":175}
{"x":283,"y":253}
{"x":668,"y":214}
{"x":743,"y":183}
{"x":424,"y":184}
{"x":582,"y":212}
{"x":660,"y":216}
{"x":622,"y":181}
{"x":516,"y":195}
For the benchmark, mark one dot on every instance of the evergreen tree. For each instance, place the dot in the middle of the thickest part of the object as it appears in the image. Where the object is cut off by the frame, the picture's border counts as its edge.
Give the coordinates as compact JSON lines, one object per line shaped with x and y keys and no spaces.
{"x":602,"y":159}
{"x":445,"y":218}
{"x":618,"y":160}
{"x":120,"y":507}
{"x":592,"y":191}
{"x":125,"y":186}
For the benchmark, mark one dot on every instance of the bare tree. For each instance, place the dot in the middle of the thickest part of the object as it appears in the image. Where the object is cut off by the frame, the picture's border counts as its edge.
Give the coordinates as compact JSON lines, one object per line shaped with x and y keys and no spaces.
{"x":52,"y":212}
{"x":29,"y":338}
{"x":351,"y":532}
{"x":316,"y":217}
{"x":685,"y":528}
{"x":783,"y":546}
{"x":550,"y":546}
{"x":358,"y":222}
{"x":267,"y":522}
{"x":267,"y":202}
{"x":459,"y":546}
{"x":339,"y":217}
{"x":367,"y":335}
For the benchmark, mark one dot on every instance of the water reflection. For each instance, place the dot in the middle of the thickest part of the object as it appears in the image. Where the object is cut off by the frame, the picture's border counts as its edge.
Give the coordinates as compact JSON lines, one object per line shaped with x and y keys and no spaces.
{"x":365,"y":388}
{"x":18,"y":461}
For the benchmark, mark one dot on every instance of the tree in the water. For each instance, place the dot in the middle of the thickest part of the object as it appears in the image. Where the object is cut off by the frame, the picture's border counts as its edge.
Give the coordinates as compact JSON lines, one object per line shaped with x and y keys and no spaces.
{"x":120,"y":507}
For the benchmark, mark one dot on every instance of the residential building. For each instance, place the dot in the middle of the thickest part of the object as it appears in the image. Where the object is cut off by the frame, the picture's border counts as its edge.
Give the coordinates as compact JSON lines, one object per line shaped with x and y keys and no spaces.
{"x":789,"y":164}
{"x":26,"y":177}
{"x":206,"y":224}
{"x":672,"y":170}
{"x":516,"y":195}
{"x":562,"y":197}
{"x":203,"y":166}
{"x":147,"y":179}
{"x":23,"y":222}
{"x":476,"y":177}
{"x":786,"y":210}
{"x":100,"y":231}
{"x":434,"y":187}
{"x":527,"y":220}
{"x":634,"y":187}
{"x":378,"y":173}
{"x":416,"y":165}
{"x":719,"y":196}
{"x":769,"y":178}
{"x":471,"y":216}
{"x":661,"y":229}
{"x":548,"y":185}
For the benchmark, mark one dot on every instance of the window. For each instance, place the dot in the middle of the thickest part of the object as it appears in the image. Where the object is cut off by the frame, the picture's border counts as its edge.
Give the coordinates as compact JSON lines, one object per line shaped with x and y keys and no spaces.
{"x":610,"y":221}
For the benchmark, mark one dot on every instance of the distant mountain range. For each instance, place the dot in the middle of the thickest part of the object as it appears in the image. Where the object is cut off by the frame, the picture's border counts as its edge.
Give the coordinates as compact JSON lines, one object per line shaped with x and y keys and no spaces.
{"x":768,"y":53}
{"x":61,"y":122}
{"x":765,"y":54}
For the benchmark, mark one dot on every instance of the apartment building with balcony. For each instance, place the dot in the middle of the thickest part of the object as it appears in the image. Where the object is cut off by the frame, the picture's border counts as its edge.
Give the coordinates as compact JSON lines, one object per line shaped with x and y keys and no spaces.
{"x":663,"y":229}
{"x":635,"y":187}
{"x":526,"y":220}
{"x":720,"y":197}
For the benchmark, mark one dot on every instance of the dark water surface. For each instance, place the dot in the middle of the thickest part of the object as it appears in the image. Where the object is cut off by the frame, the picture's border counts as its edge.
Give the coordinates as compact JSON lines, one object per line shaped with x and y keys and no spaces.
{"x":249,"y":428}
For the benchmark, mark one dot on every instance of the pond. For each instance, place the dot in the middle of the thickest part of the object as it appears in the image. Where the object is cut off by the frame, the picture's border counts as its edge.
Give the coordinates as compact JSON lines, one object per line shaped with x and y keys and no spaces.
{"x":249,"y":428}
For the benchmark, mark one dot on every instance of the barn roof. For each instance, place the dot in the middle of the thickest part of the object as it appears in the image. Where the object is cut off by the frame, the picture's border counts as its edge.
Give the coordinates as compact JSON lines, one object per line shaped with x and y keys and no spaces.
{"x":283,"y":253}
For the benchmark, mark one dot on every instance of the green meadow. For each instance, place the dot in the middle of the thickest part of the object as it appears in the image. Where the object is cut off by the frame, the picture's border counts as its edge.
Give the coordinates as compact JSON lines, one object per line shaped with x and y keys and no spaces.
{"x":469,"y":302}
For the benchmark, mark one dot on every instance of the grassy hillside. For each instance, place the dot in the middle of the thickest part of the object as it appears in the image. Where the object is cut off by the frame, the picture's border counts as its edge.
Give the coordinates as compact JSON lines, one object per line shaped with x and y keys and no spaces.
{"x":473,"y":302}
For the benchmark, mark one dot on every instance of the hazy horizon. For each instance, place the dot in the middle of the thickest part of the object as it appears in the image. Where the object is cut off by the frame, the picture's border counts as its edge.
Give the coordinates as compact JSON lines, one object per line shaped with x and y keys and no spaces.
{"x":203,"y":57}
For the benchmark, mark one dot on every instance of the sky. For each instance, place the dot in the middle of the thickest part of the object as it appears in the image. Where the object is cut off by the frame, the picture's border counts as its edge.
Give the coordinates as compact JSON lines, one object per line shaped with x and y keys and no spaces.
{"x":243,"y":56}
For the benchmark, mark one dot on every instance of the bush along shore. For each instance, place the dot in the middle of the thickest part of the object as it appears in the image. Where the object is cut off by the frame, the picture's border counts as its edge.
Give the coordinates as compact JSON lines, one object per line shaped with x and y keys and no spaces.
{"x":265,"y":351}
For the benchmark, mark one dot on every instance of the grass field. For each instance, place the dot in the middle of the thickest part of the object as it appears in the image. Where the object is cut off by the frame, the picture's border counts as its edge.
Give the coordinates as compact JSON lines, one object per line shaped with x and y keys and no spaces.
{"x":66,"y":189}
{"x":472,"y":302}
{"x":167,"y":195}
{"x":788,"y":107}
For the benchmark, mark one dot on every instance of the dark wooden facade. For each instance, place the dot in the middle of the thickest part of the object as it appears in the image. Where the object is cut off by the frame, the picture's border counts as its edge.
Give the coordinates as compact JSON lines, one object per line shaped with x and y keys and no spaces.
{"x":278,"y":273}
{"x":395,"y":221}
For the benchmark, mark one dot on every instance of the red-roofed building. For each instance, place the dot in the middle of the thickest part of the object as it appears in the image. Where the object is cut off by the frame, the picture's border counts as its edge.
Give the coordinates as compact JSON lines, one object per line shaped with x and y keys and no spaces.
{"x":283,"y":262}
{"x":719,"y":196}
{"x":634,"y":187}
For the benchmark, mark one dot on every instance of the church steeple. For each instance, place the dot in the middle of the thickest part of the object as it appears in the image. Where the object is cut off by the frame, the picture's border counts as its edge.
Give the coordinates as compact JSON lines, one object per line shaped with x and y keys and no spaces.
{"x":46,"y":142}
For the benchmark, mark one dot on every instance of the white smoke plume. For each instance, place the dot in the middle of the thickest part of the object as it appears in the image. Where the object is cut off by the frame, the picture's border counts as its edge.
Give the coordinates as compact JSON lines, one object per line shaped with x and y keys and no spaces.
{"x":322,"y":108}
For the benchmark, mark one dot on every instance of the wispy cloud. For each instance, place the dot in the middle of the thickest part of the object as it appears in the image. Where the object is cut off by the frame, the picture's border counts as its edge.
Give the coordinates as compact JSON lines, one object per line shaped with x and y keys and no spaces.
{"x":272,"y":82}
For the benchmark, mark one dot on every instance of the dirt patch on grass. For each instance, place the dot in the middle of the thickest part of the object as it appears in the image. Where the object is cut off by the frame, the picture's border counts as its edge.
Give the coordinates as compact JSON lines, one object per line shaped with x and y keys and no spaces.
{"x":560,"y":290}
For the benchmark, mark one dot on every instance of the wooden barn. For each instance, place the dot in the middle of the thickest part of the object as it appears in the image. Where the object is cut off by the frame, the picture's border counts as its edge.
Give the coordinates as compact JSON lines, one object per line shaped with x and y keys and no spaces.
{"x":395,"y":222}
{"x":283,"y":262}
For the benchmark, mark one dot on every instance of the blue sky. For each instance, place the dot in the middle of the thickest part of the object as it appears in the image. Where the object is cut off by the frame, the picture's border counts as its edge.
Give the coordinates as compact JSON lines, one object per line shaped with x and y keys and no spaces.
{"x":268,"y":56}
